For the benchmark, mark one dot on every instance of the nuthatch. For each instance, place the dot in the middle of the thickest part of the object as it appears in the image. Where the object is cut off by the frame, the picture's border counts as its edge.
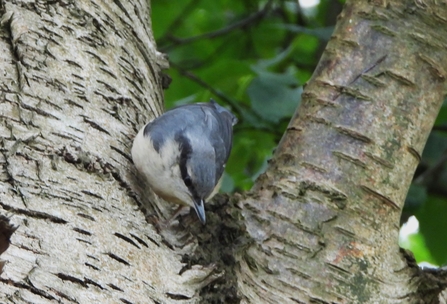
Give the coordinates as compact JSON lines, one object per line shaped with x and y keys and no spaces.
{"x":183,"y":153}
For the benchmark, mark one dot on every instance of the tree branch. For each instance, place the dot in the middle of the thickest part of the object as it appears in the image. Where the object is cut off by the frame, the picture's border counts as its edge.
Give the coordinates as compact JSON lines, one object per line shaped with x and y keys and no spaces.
{"x":252,"y":19}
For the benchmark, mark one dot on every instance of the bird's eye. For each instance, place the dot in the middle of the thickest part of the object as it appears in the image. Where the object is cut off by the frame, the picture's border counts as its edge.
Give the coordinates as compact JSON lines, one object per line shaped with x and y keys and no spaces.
{"x":187,"y":181}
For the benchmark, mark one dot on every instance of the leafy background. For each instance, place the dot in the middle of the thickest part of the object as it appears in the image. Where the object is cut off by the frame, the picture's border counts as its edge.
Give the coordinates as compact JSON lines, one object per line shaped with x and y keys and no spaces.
{"x":254,"y":57}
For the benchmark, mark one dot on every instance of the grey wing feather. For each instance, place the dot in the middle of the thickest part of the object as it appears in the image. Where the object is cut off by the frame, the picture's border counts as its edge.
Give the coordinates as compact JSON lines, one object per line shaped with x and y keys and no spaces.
{"x":221,"y":135}
{"x":217,"y":126}
{"x":209,"y":120}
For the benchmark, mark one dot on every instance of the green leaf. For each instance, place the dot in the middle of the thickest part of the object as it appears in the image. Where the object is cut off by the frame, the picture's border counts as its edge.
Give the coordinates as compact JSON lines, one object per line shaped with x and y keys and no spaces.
{"x":416,"y":197}
{"x":251,"y":148}
{"x":435,"y":147}
{"x":416,"y":244}
{"x":433,"y":226}
{"x":442,"y":116}
{"x":272,"y":96}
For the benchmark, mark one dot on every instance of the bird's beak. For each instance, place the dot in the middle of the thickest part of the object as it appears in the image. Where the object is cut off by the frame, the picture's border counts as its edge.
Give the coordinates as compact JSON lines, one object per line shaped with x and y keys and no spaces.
{"x":200,"y":210}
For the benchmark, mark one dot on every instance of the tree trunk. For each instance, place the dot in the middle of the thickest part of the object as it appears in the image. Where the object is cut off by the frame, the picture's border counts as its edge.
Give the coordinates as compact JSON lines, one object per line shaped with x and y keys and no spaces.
{"x":78,"y":79}
{"x":325,"y":215}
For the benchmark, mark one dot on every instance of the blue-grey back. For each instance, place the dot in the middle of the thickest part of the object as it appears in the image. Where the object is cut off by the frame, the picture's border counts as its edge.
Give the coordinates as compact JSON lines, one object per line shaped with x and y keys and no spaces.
{"x":209,"y":123}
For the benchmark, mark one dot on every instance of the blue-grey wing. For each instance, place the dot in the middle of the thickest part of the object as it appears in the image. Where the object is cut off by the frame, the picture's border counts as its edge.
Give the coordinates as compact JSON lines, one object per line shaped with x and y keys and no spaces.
{"x":216,"y":125}
{"x":221,"y":135}
{"x":212,"y":124}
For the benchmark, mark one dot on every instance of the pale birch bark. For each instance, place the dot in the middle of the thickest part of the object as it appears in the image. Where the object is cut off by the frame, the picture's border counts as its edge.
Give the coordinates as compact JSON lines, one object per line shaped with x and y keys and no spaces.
{"x":78,"y":78}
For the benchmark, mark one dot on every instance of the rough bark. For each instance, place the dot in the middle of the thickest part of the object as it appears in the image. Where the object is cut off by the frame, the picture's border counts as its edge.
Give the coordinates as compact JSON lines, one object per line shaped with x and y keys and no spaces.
{"x":325,"y":215}
{"x":78,"y":79}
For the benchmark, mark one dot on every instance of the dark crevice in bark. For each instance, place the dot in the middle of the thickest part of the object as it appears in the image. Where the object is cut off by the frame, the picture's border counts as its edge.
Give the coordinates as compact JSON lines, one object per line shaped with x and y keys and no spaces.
{"x":153,"y":241}
{"x":92,"y":266}
{"x":96,"y":126}
{"x":64,"y":295}
{"x":83,"y":283}
{"x":38,"y":111}
{"x":66,"y":277}
{"x":91,"y":282}
{"x":115,"y":287}
{"x":83,"y":241}
{"x":140,"y":240}
{"x":122,"y":153}
{"x":86,"y":216}
{"x":82,"y":231}
{"x":29,"y":288}
{"x":177,"y":296}
{"x":117,"y":258}
{"x":92,"y":194}
{"x":6,"y":230}
{"x":34,"y":214}
{"x":127,"y":239}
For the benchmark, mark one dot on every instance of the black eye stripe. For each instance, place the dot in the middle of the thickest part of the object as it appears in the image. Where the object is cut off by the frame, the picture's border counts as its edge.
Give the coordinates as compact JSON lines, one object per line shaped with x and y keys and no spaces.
{"x":185,"y":153}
